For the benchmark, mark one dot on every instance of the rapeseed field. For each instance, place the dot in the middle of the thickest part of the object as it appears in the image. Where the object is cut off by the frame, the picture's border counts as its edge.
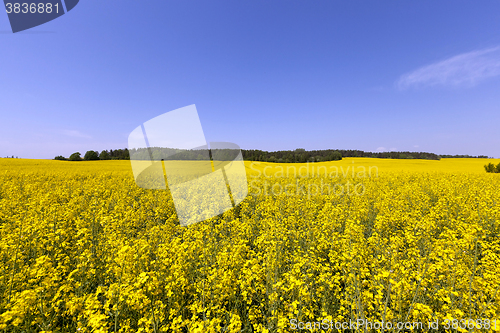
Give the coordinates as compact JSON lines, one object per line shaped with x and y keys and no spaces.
{"x":84,"y":249}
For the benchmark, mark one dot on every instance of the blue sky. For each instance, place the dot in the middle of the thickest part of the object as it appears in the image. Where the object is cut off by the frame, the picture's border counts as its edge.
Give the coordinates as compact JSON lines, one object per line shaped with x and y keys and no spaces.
{"x":272,"y":75}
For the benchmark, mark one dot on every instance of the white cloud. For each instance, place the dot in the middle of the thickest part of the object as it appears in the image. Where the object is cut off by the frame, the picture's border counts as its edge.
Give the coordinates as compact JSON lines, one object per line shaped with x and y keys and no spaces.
{"x":76,"y":134}
{"x":463,"y":70}
{"x":380,"y":149}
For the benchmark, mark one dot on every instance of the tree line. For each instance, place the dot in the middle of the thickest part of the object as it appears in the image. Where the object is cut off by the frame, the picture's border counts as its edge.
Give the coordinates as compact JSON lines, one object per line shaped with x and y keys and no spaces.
{"x":299,"y":155}
{"x":463,"y":156}
{"x":153,"y":153}
{"x":92,"y":155}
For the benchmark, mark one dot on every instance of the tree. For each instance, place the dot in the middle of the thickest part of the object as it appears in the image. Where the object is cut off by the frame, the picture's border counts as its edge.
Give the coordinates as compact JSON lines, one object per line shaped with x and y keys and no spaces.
{"x":91,"y":155}
{"x":104,"y":155}
{"x":60,"y":158}
{"x":490,"y":167}
{"x":335,"y":156}
{"x":75,"y":157}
